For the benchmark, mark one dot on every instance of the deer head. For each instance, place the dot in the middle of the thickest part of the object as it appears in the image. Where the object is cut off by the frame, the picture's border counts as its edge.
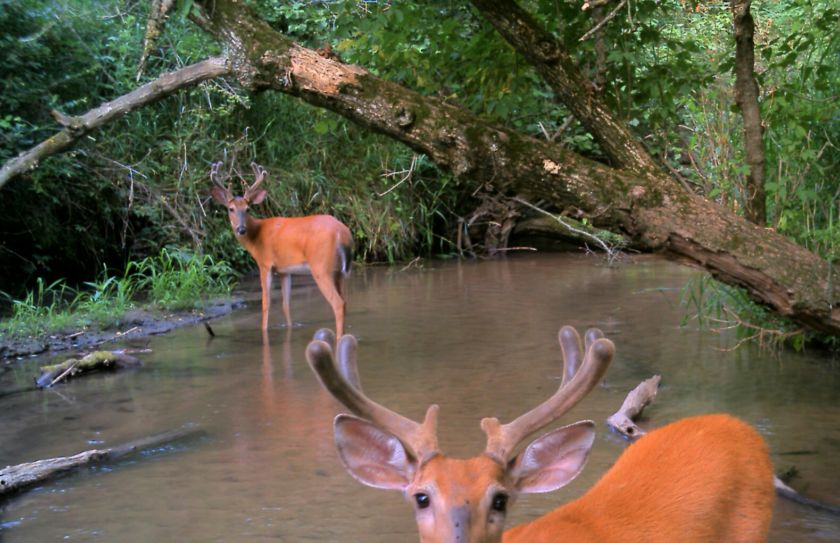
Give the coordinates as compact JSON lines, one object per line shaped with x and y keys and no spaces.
{"x":462,"y":500}
{"x":238,"y":205}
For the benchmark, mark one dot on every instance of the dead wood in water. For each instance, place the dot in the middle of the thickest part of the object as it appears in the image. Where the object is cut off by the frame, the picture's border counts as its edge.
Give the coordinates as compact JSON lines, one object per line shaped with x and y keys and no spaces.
{"x":16,"y":478}
{"x":95,"y":361}
{"x":634,"y":403}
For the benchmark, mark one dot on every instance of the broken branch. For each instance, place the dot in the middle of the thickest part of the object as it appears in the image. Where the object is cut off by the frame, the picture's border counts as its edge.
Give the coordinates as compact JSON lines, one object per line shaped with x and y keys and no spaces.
{"x":638,"y":398}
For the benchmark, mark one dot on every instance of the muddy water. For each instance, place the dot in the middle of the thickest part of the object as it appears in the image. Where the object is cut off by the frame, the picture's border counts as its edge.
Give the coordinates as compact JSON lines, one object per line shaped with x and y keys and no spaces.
{"x":478,"y":338}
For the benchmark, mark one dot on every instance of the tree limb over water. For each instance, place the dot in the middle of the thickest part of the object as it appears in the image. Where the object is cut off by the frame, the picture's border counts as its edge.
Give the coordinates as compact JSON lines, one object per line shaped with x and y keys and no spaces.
{"x":76,"y":127}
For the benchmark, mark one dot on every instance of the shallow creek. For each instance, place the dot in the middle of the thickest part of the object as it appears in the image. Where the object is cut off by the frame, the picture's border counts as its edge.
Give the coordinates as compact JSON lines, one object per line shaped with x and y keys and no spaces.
{"x":478,"y":338}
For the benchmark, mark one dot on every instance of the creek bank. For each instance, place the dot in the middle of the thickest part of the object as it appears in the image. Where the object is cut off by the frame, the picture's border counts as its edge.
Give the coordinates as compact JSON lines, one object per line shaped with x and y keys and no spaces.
{"x":134,"y":324}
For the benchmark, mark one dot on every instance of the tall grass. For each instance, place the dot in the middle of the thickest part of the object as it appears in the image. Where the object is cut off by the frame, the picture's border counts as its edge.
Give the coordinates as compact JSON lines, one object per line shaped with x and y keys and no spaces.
{"x":179,"y":279}
{"x":718,"y":307}
{"x":172,"y":280}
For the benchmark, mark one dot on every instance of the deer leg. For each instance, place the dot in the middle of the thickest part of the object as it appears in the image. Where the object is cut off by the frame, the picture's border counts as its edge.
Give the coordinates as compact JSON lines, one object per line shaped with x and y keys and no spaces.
{"x":331,"y":292}
{"x":338,"y":280}
{"x":286,"y":289}
{"x":265,"y":282}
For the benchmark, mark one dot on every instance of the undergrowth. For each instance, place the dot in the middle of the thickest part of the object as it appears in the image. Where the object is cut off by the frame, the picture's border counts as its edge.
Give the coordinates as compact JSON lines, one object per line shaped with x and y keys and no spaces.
{"x":721,"y":308}
{"x":173,"y":280}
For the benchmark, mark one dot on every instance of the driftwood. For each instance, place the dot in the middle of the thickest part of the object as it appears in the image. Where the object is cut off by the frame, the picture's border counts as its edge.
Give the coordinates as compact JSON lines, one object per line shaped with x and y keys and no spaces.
{"x":95,"y":361}
{"x":16,"y":478}
{"x":634,"y":403}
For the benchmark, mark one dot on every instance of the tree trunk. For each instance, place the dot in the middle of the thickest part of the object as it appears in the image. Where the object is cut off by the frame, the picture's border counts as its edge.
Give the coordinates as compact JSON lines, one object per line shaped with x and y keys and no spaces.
{"x":557,"y":68}
{"x":746,"y":96}
{"x":648,"y":207}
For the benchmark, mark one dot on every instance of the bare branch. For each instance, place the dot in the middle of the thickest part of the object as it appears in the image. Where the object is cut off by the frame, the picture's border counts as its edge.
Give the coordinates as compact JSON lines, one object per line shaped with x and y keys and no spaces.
{"x":603,"y":21}
{"x":78,"y":126}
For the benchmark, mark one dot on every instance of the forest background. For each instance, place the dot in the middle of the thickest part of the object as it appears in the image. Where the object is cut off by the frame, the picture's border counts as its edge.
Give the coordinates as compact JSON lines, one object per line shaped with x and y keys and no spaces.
{"x":134,"y":197}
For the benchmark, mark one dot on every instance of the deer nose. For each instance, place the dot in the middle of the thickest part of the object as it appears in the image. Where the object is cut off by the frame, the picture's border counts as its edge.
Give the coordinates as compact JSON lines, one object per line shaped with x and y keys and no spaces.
{"x":240,"y":230}
{"x":460,"y":517}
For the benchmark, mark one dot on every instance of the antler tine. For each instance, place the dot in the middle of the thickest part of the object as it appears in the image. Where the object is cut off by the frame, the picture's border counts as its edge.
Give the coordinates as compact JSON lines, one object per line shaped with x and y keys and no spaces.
{"x":347,"y":360}
{"x":259,"y":174}
{"x":570,"y":345}
{"x":214,"y":174}
{"x":503,"y":439}
{"x":420,"y":438}
{"x":326,"y":335}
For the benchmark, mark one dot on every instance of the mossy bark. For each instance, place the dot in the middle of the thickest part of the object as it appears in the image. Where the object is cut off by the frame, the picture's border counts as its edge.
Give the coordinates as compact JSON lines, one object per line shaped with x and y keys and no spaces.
{"x":637,"y":201}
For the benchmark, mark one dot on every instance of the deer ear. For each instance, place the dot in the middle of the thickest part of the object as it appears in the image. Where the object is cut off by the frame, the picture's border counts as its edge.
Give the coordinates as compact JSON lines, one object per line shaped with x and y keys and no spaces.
{"x":372,"y":456}
{"x":554,"y":459}
{"x":257,"y":197}
{"x":220,"y":195}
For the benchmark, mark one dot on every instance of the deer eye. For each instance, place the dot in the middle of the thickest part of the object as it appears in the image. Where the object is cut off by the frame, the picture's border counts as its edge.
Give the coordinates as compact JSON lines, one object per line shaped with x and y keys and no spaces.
{"x":423,"y":500}
{"x":232,"y":209}
{"x":500,"y":502}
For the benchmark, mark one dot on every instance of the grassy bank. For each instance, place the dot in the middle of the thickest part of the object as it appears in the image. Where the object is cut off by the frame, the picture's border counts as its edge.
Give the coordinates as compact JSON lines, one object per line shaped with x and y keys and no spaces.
{"x":173,"y":280}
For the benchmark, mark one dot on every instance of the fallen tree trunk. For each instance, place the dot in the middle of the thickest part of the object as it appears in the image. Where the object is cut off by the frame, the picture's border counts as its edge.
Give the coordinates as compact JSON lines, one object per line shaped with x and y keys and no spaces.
{"x":623,"y":420}
{"x":93,"y":362}
{"x":16,"y":478}
{"x":650,"y":208}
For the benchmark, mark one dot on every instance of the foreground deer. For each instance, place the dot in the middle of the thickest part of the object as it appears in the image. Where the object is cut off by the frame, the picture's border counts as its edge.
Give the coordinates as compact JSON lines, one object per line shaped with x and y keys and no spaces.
{"x":703,"y":479}
{"x":317,"y":244}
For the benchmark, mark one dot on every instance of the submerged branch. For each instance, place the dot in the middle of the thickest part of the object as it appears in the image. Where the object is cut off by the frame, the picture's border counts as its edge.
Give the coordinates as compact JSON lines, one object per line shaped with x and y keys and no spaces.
{"x":16,"y":478}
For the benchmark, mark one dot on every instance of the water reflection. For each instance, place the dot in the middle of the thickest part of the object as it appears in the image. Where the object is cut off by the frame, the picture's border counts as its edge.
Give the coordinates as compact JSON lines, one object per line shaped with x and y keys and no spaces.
{"x":478,"y":338}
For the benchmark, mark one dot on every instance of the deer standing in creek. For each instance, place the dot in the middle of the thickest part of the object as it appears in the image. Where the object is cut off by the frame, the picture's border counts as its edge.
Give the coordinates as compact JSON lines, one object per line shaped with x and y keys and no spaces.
{"x":704,"y":479}
{"x":316,"y":244}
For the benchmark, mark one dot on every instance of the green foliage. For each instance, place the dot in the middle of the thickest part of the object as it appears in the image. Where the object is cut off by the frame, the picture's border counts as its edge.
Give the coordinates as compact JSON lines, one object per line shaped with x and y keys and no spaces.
{"x":42,"y":309}
{"x":719,"y":307}
{"x":172,"y":280}
{"x":178,"y":279}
